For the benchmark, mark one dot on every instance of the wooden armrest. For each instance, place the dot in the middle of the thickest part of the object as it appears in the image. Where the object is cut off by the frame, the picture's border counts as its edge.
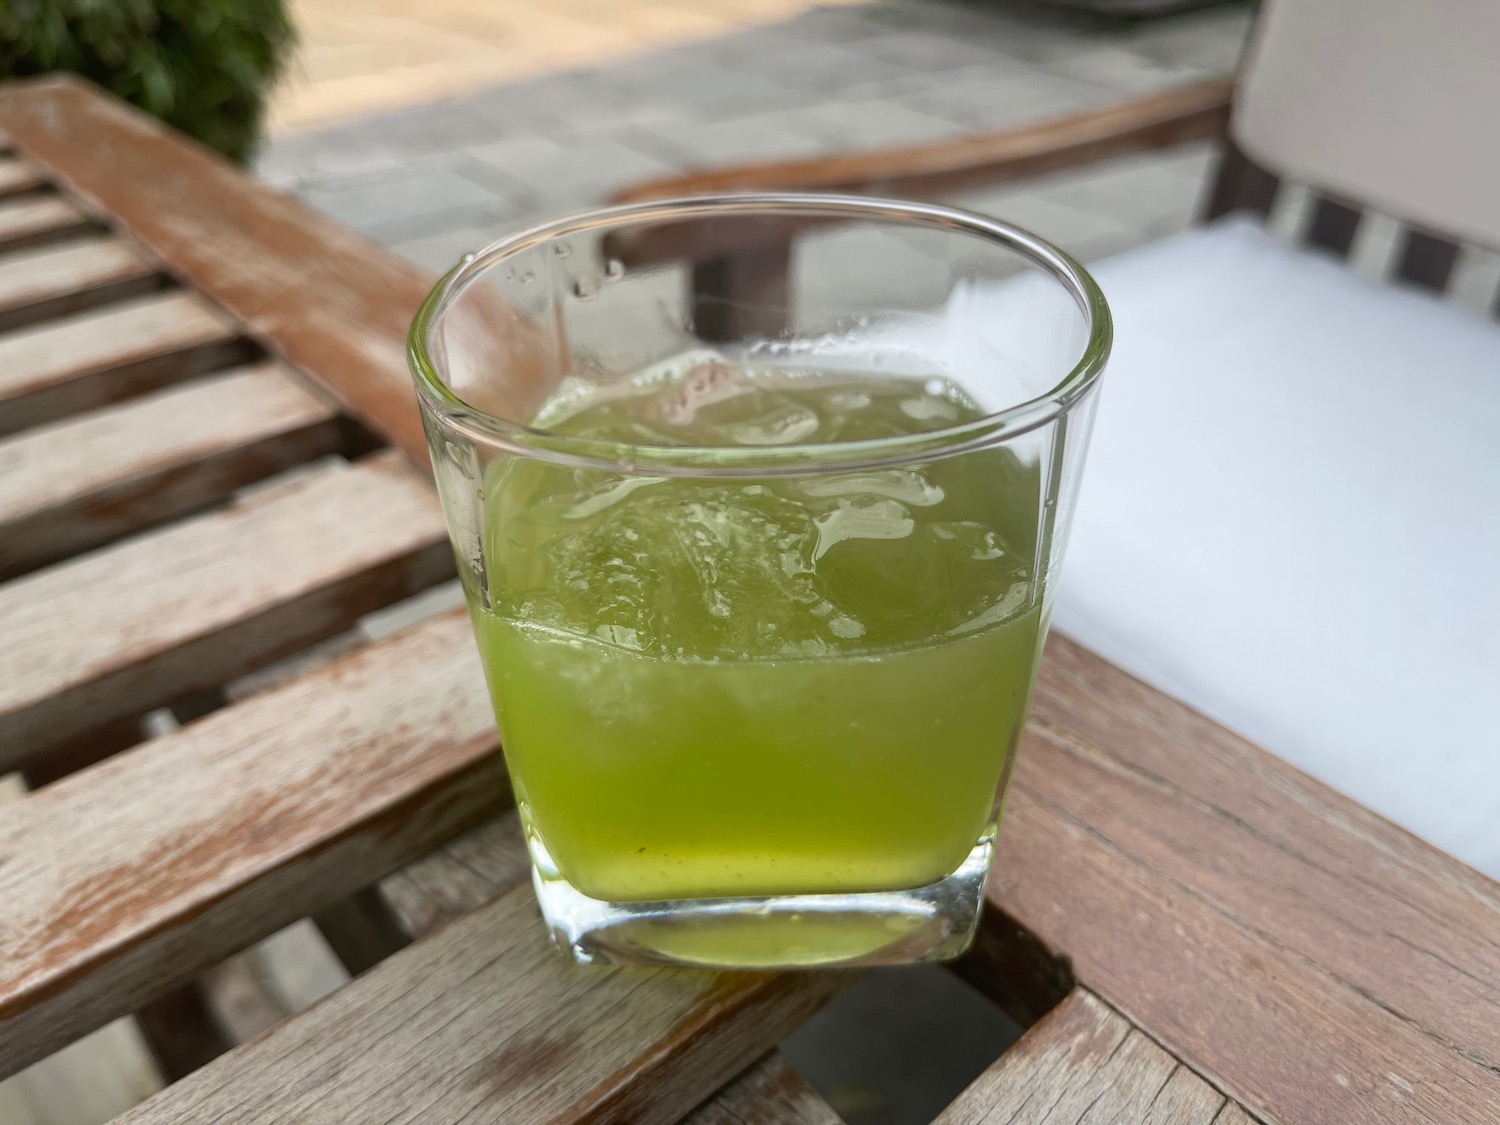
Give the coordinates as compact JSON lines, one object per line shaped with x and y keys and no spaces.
{"x":1155,"y":121}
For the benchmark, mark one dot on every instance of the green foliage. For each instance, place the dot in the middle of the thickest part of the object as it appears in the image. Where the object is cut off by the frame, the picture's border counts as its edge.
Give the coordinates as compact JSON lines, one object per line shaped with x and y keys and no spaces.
{"x":203,"y":66}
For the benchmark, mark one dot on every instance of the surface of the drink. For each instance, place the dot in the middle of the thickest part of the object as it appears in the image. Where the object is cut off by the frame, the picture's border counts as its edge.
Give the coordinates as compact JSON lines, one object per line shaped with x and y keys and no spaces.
{"x":731,"y":687}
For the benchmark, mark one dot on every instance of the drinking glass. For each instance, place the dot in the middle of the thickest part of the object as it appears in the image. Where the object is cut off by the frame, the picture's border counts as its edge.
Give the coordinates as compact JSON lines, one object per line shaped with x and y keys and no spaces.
{"x":759,"y":502}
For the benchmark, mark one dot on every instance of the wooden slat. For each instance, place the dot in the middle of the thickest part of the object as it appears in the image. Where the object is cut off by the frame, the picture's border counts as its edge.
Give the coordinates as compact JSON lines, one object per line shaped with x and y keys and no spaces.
{"x":36,"y":221}
{"x":43,"y":283}
{"x":103,"y":356}
{"x":464,"y":874}
{"x":1084,"y":1064}
{"x":1333,"y":226}
{"x":1263,"y":928}
{"x":17,"y":175}
{"x":484,"y":1021}
{"x":76,"y":484}
{"x":192,"y":606}
{"x":322,"y":297}
{"x":490,"y":861}
{"x":1426,"y":260}
{"x":126,"y":879}
{"x":1158,"y":120}
{"x":1239,"y":184}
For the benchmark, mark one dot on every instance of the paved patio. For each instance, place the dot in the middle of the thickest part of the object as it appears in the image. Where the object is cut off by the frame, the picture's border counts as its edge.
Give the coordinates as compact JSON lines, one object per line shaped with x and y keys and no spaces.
{"x":436,"y":179}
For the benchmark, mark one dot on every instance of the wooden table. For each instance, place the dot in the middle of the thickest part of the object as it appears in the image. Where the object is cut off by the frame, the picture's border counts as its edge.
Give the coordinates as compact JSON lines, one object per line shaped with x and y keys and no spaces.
{"x":1192,"y":930}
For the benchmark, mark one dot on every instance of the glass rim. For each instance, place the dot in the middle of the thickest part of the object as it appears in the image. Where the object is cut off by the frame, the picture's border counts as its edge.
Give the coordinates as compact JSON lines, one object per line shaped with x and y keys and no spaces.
{"x":762,"y":460}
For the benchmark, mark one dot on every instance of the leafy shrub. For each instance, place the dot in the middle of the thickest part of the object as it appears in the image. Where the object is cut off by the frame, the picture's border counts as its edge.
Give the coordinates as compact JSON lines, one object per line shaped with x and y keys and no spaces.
{"x":203,"y":66}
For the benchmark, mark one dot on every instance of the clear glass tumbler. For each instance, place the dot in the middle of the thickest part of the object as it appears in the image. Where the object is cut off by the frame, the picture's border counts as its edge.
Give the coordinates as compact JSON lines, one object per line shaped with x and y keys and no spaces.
{"x":759,"y":501}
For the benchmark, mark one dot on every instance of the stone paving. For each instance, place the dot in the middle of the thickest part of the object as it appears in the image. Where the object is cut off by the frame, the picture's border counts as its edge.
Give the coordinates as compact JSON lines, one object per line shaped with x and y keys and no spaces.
{"x":434,"y":180}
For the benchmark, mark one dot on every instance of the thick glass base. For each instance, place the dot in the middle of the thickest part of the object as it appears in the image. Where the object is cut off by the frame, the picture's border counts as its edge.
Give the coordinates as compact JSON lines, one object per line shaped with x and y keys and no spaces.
{"x":930,"y":923}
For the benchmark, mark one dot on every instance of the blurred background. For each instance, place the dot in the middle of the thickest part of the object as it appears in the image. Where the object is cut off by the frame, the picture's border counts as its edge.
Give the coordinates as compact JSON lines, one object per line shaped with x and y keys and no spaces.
{"x":434,"y":127}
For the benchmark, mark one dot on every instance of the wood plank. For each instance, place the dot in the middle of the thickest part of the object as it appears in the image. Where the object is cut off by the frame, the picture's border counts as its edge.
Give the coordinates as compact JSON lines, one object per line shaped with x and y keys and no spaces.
{"x":325,"y":299}
{"x":151,"y":460}
{"x":57,"y":280}
{"x":483,"y":1020}
{"x":464,"y":874}
{"x":38,"y":220}
{"x":192,"y":606}
{"x":1316,"y":872}
{"x":1084,"y":1064}
{"x":17,"y":176}
{"x":1191,"y":876}
{"x":1426,"y":260}
{"x":1159,"y":120}
{"x":126,"y":879}
{"x":489,"y":861}
{"x":105,"y":355}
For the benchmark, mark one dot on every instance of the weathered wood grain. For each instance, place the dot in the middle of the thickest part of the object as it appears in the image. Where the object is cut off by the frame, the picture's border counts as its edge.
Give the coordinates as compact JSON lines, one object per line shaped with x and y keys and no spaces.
{"x":37,"y":220}
{"x":1084,"y":1064}
{"x":105,"y":355}
{"x":1233,"y":1114}
{"x":75,"y":484}
{"x":483,"y":1021}
{"x":1312,"y":870}
{"x":191,"y":606}
{"x":1189,"y":875}
{"x":17,"y":175}
{"x":56,"y":280}
{"x":320,"y":296}
{"x":131,"y":876}
{"x":464,"y":874}
{"x":489,"y":861}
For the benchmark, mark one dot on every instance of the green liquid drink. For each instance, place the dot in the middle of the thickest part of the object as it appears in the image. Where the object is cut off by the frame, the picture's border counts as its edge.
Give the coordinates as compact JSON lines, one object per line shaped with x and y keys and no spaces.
{"x":743,"y":687}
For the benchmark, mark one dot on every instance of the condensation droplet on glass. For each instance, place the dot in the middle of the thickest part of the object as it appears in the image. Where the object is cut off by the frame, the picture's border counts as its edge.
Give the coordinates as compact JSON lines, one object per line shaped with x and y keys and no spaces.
{"x":562,"y":249}
{"x":458,"y":458}
{"x":510,"y":273}
{"x":586,"y":288}
{"x":614,"y":269}
{"x":528,"y":277}
{"x":469,"y":257}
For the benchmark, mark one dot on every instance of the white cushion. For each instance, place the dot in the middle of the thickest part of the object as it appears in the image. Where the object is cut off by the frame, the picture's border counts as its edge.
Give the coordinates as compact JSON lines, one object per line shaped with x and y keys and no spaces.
{"x":1290,"y":520}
